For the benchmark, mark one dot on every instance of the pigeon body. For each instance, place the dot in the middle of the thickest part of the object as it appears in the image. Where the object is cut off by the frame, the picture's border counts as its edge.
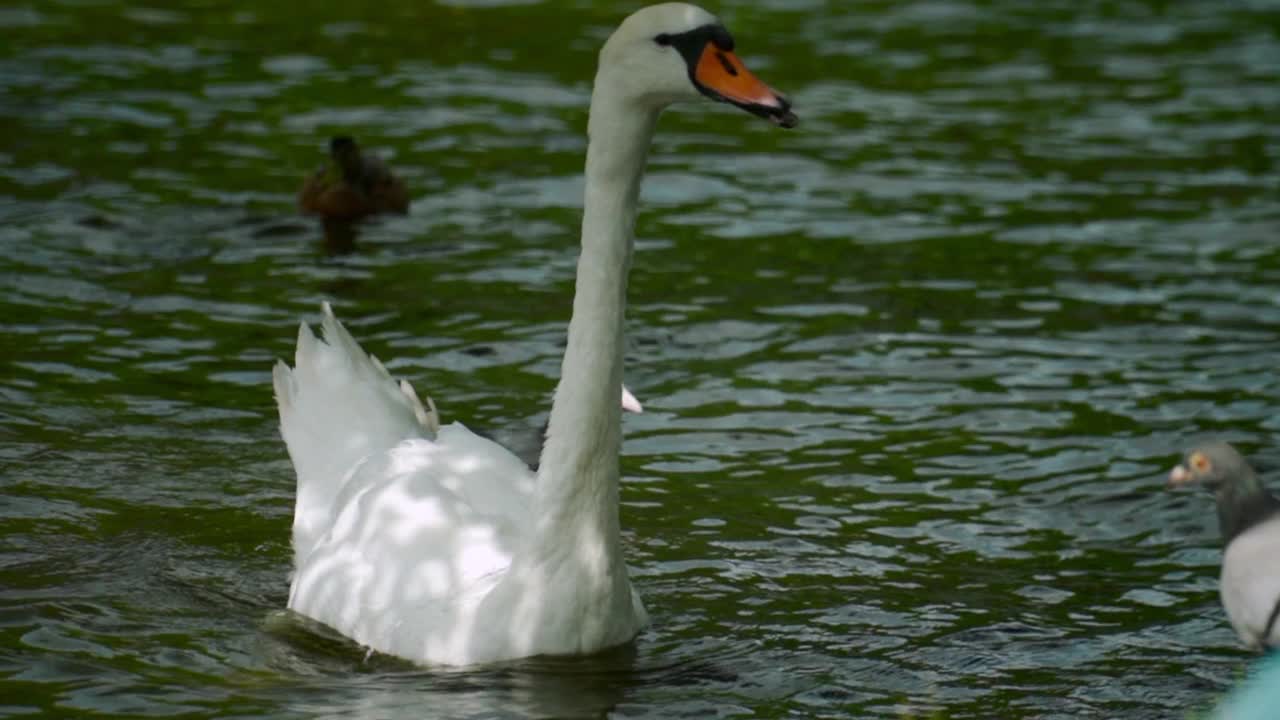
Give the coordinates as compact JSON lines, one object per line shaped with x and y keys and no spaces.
{"x":1249,"y":517}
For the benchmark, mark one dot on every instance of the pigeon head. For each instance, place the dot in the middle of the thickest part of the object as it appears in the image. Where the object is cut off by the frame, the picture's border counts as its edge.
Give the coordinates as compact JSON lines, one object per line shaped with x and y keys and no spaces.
{"x":1213,"y":466}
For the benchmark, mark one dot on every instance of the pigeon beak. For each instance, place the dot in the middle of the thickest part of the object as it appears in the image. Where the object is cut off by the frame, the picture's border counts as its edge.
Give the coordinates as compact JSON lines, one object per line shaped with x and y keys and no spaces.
{"x":1180,"y":476}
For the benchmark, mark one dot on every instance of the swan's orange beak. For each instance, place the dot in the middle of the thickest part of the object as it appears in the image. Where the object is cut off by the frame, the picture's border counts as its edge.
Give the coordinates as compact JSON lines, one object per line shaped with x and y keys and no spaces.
{"x":722,"y":76}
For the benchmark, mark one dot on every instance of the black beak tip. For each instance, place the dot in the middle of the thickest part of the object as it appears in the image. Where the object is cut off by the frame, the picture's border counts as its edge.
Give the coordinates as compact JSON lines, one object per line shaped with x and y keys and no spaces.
{"x":785,"y":120}
{"x":779,"y":114}
{"x":782,"y":115}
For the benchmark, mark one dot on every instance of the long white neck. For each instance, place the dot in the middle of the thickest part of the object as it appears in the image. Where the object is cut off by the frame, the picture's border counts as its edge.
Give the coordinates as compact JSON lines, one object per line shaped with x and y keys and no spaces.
{"x":577,"y":496}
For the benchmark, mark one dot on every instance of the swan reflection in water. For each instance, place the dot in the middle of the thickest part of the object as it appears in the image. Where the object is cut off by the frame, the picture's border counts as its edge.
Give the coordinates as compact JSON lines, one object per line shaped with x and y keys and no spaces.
{"x":375,"y":685}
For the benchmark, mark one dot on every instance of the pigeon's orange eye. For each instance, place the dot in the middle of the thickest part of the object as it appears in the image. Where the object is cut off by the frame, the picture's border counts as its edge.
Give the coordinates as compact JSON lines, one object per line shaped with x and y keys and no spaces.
{"x":1199,"y":462}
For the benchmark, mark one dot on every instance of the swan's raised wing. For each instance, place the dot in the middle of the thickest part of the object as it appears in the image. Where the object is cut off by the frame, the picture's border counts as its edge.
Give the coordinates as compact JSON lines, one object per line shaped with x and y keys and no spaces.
{"x":338,"y":405}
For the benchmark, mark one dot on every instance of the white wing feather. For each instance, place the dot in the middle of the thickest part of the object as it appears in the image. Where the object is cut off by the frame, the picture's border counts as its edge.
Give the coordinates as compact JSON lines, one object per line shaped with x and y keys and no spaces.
{"x":338,"y":405}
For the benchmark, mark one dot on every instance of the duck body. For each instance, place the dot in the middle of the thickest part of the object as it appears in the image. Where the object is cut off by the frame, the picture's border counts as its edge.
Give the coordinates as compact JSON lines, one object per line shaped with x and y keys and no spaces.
{"x":440,"y":546}
{"x":1249,"y":518}
{"x":352,"y":185}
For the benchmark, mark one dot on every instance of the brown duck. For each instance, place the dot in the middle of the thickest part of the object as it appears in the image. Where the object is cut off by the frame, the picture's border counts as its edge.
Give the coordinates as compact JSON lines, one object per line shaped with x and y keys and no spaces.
{"x":352,"y":186}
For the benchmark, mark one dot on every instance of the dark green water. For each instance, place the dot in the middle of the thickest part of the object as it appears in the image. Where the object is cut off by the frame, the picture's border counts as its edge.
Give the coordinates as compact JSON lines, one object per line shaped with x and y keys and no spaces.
{"x":913,"y":371}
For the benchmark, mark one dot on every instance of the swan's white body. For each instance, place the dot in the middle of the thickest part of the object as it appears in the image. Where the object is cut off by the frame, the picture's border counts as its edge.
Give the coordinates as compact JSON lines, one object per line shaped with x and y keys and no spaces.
{"x":437,"y":545}
{"x":403,"y":528}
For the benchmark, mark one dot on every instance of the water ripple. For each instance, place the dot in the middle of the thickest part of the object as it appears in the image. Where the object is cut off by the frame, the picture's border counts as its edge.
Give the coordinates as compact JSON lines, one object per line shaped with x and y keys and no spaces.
{"x":913,"y":373}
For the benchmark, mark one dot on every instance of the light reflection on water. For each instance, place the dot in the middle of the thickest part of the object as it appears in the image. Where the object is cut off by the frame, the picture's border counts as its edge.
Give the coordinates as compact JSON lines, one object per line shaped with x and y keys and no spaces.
{"x":912,"y":373}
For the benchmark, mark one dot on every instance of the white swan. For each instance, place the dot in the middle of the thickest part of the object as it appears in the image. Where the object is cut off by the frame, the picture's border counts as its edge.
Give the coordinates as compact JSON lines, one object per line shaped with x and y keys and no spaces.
{"x":434,"y":544}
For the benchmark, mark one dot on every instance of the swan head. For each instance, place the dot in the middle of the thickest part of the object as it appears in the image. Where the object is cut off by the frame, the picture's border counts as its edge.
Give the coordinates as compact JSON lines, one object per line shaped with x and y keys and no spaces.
{"x":676,"y":52}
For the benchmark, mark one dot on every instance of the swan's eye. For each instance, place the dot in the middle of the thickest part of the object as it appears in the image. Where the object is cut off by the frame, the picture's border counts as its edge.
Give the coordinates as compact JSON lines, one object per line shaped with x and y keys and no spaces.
{"x":663,"y":39}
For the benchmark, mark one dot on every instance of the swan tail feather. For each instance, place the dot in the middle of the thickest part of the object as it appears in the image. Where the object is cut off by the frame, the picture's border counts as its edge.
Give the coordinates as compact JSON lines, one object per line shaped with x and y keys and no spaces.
{"x":338,"y":405}
{"x":428,"y":416}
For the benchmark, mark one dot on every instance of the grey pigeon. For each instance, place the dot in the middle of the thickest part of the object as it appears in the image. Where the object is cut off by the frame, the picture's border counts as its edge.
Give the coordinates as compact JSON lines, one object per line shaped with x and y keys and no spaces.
{"x":1249,"y":517}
